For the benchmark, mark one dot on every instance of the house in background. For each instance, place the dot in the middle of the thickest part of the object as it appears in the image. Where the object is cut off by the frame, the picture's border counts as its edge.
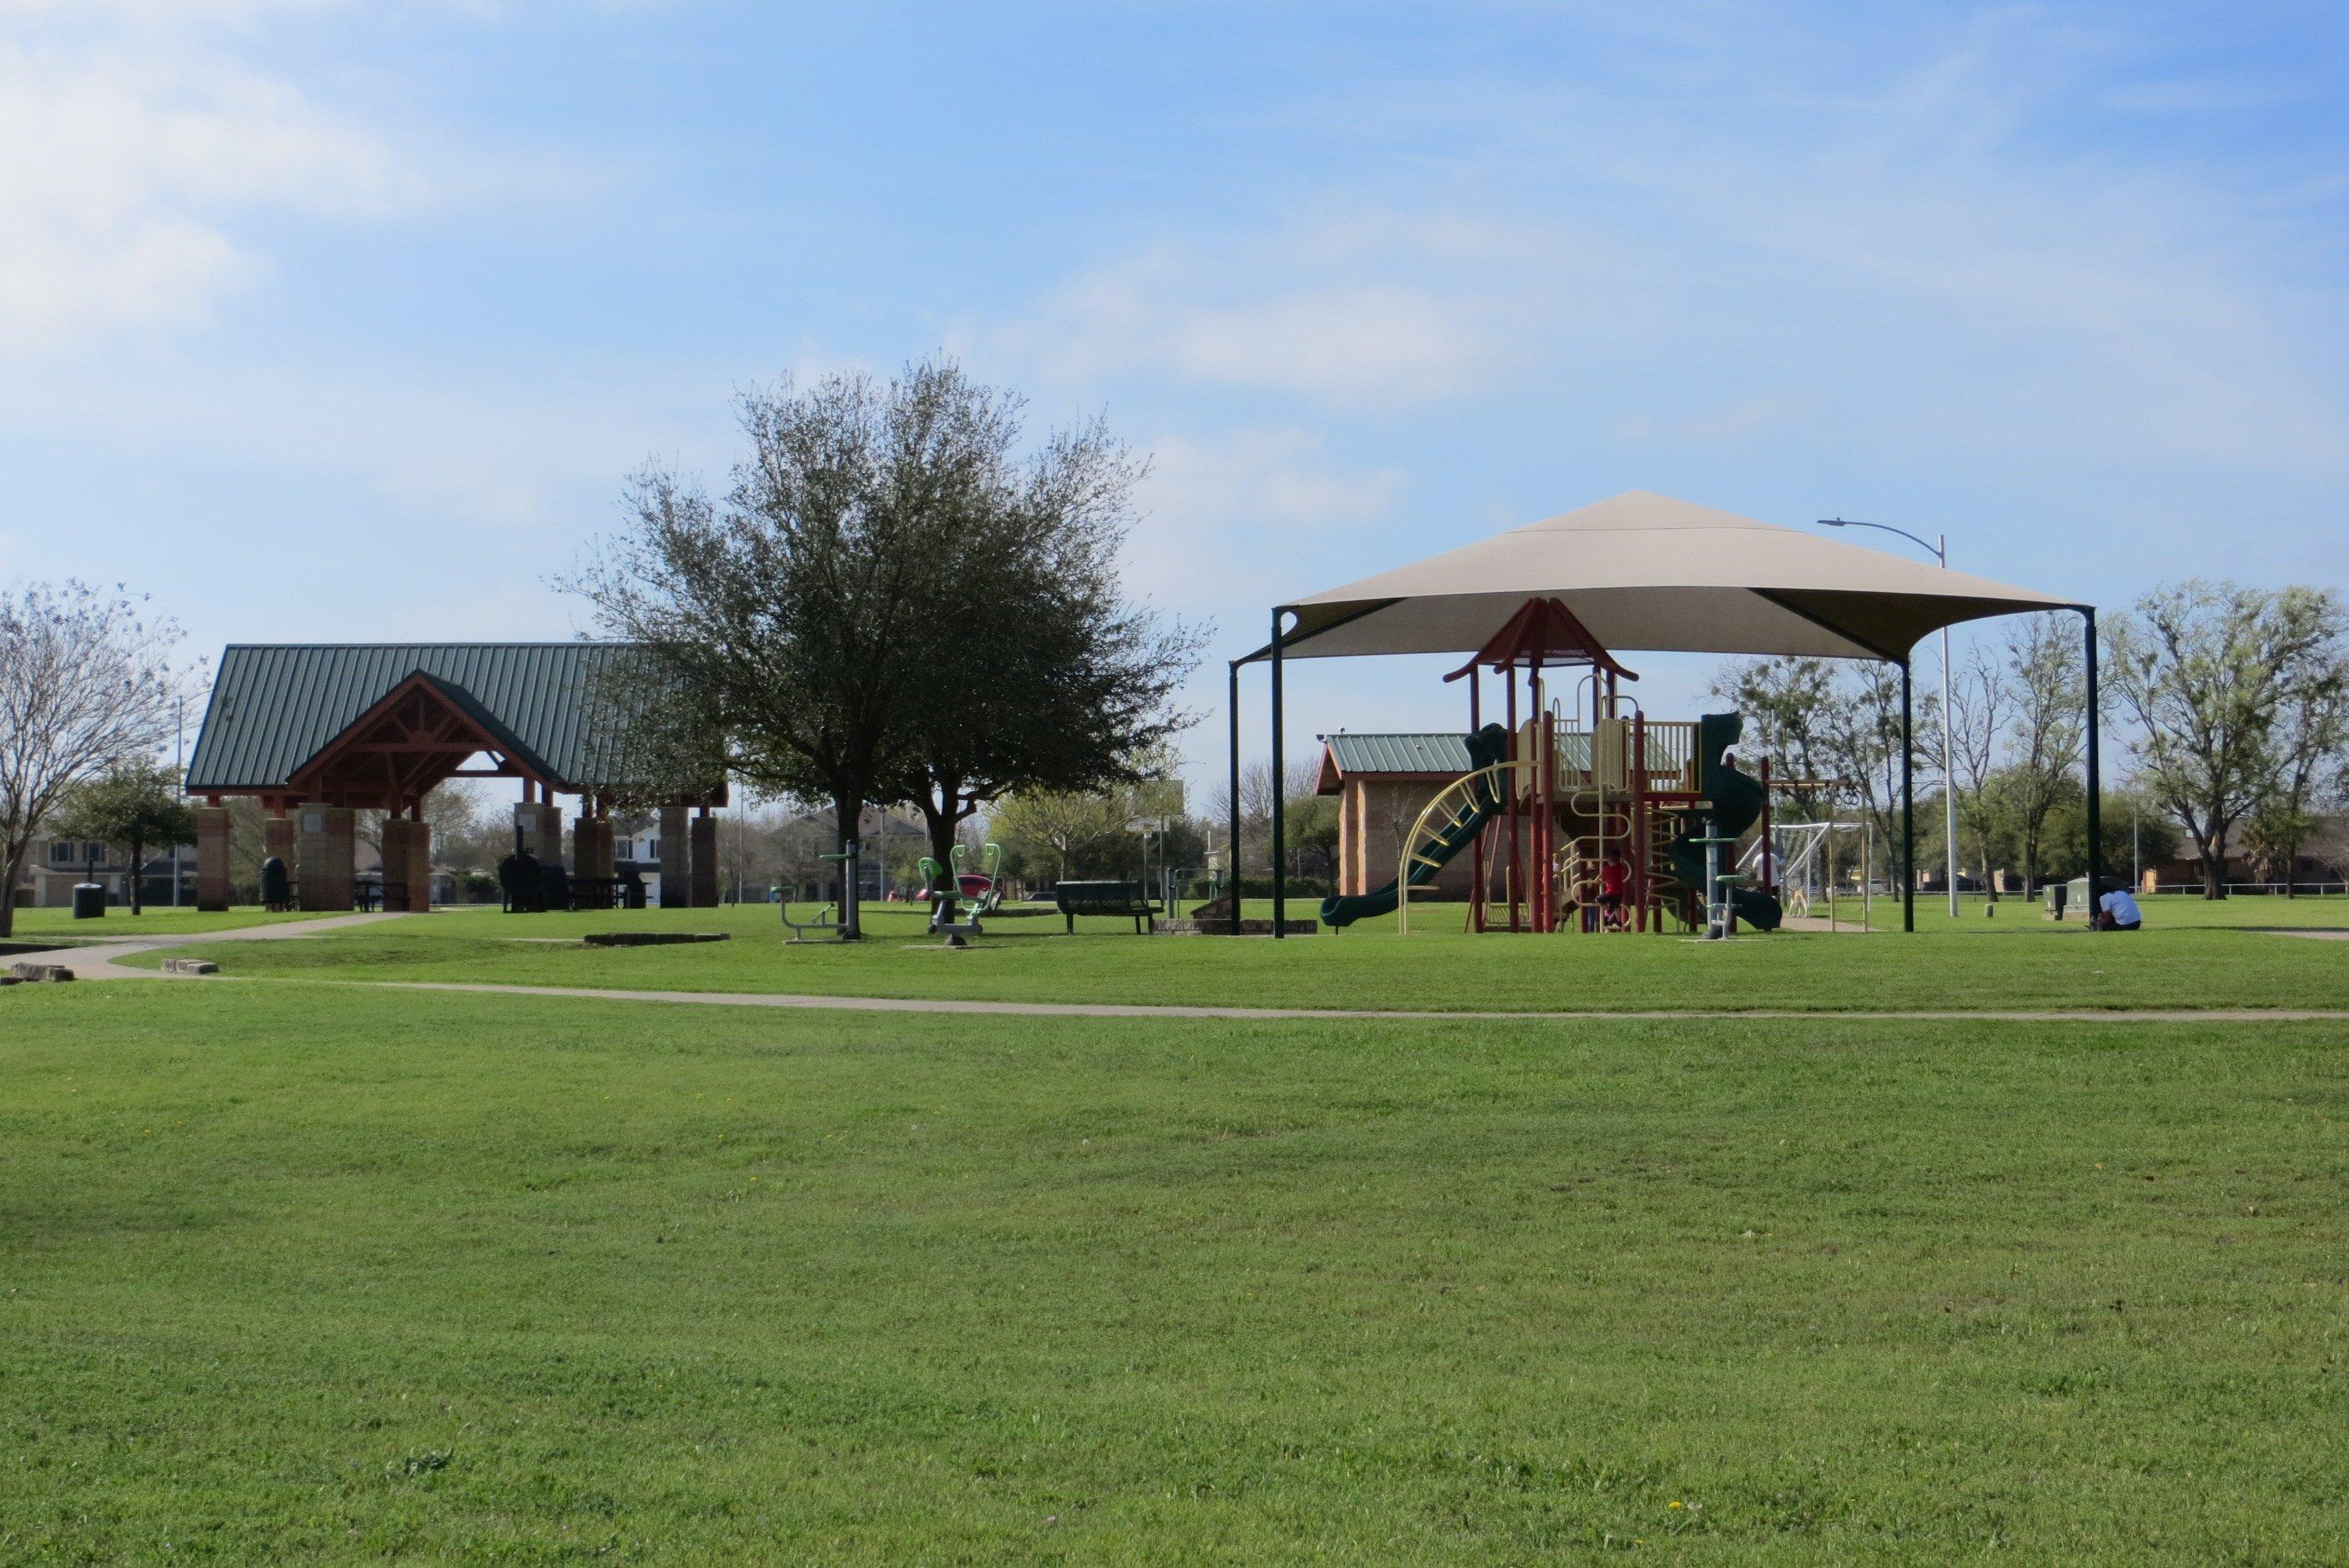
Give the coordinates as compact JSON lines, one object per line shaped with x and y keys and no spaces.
{"x":2323,"y":862}
{"x":1382,"y":783}
{"x":54,"y":866}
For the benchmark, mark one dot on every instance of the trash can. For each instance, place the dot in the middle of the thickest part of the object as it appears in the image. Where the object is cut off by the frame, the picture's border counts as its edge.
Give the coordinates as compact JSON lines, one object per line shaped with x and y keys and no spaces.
{"x":89,"y":901}
{"x":276,"y":884}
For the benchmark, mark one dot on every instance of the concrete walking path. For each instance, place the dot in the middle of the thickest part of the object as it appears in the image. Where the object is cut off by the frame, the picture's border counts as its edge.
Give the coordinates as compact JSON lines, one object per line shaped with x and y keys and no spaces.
{"x":96,"y":960}
{"x":798,"y":1002}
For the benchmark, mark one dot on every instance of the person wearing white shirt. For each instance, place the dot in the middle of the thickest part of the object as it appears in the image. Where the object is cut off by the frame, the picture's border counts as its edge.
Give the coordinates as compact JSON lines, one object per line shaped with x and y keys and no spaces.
{"x":2117,"y":912}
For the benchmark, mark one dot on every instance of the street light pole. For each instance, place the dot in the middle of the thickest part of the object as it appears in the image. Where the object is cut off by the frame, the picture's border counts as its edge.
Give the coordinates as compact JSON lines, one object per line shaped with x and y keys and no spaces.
{"x":1949,"y":753}
{"x":180,"y":761}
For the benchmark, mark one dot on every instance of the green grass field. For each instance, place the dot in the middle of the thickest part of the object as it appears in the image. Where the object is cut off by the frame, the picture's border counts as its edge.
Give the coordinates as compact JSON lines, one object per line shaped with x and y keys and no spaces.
{"x":294,"y":1274}
{"x":1993,"y":965}
{"x":59,"y":925}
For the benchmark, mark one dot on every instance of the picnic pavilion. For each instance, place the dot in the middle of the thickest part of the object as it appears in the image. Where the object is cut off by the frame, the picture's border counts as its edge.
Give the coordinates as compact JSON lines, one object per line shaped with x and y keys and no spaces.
{"x":320,"y":732}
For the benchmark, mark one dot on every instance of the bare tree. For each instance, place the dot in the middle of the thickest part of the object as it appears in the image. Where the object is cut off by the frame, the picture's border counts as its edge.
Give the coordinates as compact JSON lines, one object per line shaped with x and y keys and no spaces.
{"x":1257,"y":791}
{"x":2048,"y":730}
{"x":86,"y":683}
{"x":2209,"y":671}
{"x":1980,"y":697}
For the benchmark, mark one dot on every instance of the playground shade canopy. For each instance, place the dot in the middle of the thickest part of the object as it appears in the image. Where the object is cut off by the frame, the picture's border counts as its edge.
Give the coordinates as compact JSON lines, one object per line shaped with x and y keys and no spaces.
{"x":1645,"y":571}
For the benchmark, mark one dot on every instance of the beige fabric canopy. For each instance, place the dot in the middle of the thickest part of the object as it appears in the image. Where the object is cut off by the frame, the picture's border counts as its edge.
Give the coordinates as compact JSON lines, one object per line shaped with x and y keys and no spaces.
{"x":1646,"y":572}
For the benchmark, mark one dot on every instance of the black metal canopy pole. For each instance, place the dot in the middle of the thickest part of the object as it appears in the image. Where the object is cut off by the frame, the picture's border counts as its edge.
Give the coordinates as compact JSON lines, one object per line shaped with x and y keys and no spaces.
{"x":1232,"y":871}
{"x":1907,"y":809}
{"x":2095,"y":779}
{"x":1279,"y":788}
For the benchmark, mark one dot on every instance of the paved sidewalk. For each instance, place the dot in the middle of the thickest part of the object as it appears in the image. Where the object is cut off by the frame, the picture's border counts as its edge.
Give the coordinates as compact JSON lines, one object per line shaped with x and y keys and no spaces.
{"x":96,"y":960}
{"x":797,"y":1002}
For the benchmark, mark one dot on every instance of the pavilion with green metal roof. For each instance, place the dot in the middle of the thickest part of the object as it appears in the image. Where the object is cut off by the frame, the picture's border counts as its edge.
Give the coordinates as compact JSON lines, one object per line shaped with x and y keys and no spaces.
{"x":316,"y":732}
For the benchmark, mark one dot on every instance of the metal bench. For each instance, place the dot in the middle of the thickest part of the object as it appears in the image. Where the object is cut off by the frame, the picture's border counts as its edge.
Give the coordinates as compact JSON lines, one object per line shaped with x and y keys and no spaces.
{"x":1121,"y":900}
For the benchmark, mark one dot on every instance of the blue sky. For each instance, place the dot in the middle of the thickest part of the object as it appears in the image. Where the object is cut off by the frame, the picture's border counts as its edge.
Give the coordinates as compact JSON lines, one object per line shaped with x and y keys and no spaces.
{"x":327,"y":320}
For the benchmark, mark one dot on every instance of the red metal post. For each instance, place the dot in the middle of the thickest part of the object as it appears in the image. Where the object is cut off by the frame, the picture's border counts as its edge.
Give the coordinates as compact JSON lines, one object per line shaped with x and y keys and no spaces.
{"x":1641,"y":830}
{"x":1477,"y":850}
{"x":1509,"y":782}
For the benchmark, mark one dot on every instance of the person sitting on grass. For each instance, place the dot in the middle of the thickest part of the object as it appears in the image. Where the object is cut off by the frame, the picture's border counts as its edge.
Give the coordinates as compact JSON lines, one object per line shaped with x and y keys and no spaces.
{"x":1614,"y":880}
{"x":2117,"y":910}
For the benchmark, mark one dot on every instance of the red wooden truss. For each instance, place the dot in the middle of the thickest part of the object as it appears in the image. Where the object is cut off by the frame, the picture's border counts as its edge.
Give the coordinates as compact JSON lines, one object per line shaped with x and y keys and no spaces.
{"x":1543,"y":634}
{"x":417,"y":736}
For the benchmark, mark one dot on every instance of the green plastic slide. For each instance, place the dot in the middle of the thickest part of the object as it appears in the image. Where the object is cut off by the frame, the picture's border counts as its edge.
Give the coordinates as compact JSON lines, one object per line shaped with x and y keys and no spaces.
{"x":1736,"y":802}
{"x":1486,"y":746}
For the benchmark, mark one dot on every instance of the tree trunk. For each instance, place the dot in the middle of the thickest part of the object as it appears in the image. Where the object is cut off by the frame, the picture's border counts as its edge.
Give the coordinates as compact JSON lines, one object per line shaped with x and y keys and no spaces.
{"x":11,"y":863}
{"x":846,"y":814}
{"x":943,"y":811}
{"x":138,"y":862}
{"x":2214,"y":871}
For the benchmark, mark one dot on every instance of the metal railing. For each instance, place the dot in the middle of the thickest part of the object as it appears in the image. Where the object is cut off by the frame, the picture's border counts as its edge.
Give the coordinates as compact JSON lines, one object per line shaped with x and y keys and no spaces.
{"x":1669,"y":749}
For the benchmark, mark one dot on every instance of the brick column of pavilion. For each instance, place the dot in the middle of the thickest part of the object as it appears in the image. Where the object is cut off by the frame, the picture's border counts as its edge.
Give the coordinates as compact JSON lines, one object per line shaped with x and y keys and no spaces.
{"x":542,"y":831}
{"x":212,"y":857}
{"x":329,"y":851}
{"x":591,"y":846}
{"x":419,"y":867}
{"x":398,"y":858}
{"x":705,"y":860}
{"x":675,"y":858}
{"x":277,"y":840}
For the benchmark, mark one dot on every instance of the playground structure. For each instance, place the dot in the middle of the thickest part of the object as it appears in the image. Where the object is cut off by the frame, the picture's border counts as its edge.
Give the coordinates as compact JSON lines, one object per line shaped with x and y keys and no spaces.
{"x":1566,"y":787}
{"x":1649,"y":571}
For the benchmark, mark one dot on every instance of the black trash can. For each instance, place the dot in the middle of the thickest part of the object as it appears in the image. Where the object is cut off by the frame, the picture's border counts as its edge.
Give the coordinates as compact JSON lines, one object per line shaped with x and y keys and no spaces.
{"x":276,"y":884}
{"x":89,"y":901}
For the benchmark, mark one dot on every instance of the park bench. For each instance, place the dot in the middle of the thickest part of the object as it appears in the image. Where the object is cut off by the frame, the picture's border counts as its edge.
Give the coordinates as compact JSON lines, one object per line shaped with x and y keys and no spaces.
{"x":1121,"y":899}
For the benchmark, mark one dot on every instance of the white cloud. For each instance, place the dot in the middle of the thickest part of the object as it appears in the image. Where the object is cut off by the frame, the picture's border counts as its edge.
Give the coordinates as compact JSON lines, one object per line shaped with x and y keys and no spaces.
{"x":120,"y":210}
{"x":1357,"y":309}
{"x":1224,"y":511}
{"x":1739,"y":421}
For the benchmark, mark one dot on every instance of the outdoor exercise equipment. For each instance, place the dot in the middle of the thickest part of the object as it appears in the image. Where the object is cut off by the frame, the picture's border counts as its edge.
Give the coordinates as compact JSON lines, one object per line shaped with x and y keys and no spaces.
{"x":828,"y":917}
{"x":945,"y":889}
{"x":982,"y":887}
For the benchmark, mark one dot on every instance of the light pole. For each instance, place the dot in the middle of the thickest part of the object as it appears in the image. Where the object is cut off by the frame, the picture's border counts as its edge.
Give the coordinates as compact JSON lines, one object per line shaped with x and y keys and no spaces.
{"x":180,"y":761}
{"x":1949,"y":757}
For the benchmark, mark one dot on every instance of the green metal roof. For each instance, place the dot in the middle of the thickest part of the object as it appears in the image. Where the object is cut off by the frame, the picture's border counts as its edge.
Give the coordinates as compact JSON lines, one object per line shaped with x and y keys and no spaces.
{"x":274,"y":706}
{"x":1446,"y":754}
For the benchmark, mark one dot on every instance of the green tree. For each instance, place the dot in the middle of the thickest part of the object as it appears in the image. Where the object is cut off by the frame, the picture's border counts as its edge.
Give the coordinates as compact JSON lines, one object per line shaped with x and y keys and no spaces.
{"x":1783,"y":702}
{"x":2211,"y":672}
{"x":134,"y":804}
{"x":1047,"y":677}
{"x":787,"y":635}
{"x":1056,"y":826}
